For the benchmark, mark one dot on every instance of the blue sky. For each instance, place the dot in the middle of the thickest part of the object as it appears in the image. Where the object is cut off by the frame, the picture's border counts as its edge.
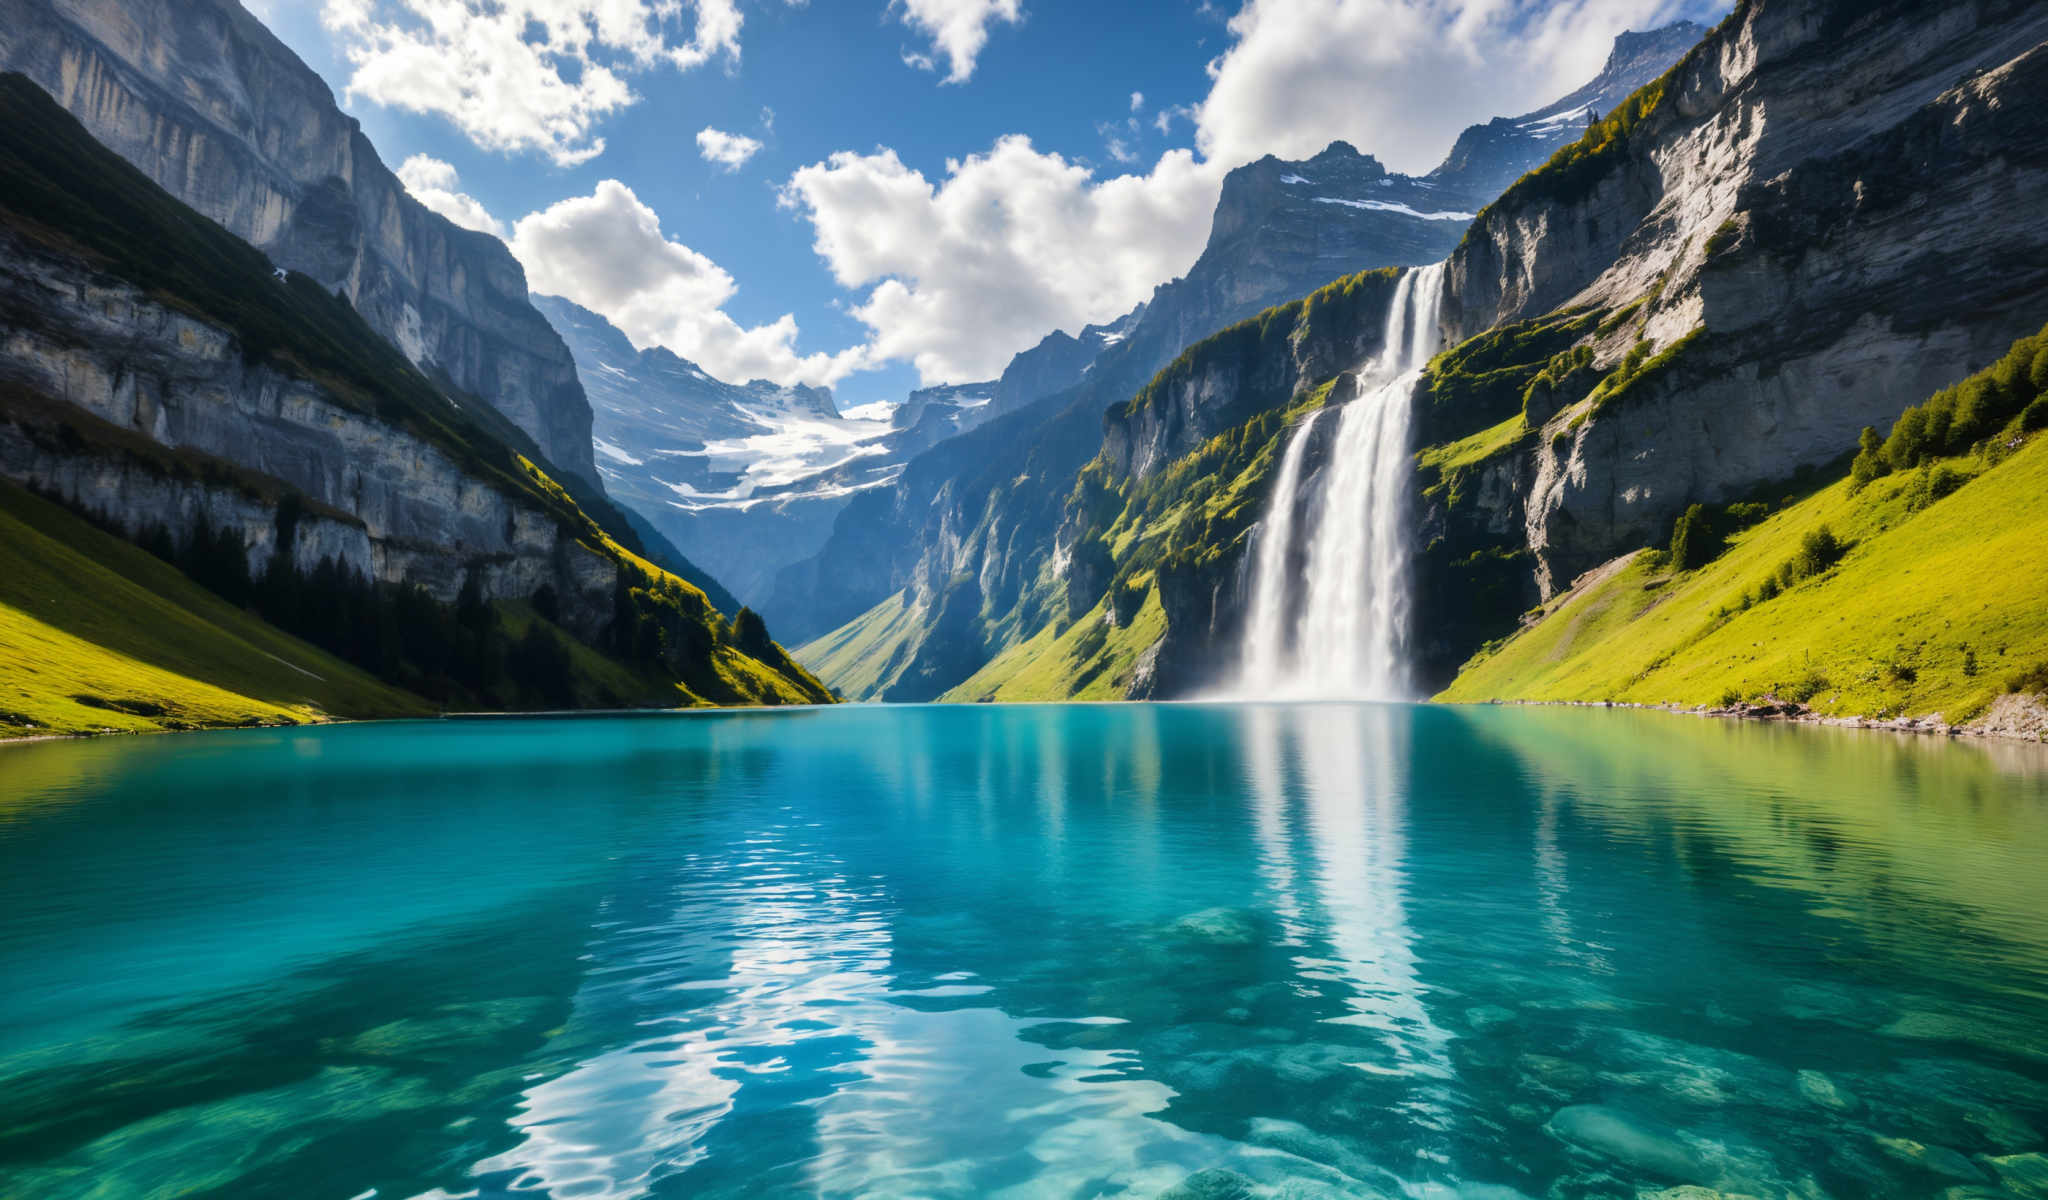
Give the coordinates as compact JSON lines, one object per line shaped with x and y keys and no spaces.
{"x":940,"y":240}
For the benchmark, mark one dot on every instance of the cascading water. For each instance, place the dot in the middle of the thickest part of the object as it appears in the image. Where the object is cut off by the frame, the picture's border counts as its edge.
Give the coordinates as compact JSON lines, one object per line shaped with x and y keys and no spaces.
{"x":1346,"y":636}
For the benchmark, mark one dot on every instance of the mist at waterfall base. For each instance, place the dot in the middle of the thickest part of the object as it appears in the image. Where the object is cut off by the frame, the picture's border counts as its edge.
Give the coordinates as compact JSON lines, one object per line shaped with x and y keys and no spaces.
{"x":1339,"y":627}
{"x":1268,"y":952}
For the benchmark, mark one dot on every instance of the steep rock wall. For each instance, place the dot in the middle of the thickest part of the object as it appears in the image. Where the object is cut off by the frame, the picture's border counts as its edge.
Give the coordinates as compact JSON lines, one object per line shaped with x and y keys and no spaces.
{"x":224,"y":116}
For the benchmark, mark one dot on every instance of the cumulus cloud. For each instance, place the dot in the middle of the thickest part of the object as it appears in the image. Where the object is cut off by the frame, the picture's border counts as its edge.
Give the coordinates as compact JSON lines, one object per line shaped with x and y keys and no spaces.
{"x":434,"y":184}
{"x":518,"y":75}
{"x":965,"y":272}
{"x":728,"y":150}
{"x":606,"y":252}
{"x":958,"y":29}
{"x":1137,"y":102}
{"x":1400,"y":78}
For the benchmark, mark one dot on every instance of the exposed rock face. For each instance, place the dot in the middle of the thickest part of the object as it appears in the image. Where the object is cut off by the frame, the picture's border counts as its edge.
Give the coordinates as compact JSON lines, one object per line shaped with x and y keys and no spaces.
{"x":191,"y":430}
{"x":222,"y":115}
{"x":991,"y":508}
{"x":1838,"y":195}
{"x":1487,"y":158}
{"x":746,"y":478}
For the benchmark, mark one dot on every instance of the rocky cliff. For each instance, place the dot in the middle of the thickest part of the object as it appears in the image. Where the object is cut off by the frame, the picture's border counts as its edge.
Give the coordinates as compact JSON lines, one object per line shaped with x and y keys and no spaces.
{"x":220,"y":113}
{"x":990,"y":509}
{"x":1818,"y":218}
{"x":748,"y":476}
{"x":1811,"y":222}
{"x":159,"y":375}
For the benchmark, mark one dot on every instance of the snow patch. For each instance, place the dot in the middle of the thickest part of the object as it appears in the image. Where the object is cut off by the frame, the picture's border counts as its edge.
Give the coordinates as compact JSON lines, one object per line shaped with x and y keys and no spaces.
{"x":1404,"y":210}
{"x":411,"y":342}
{"x":615,"y":453}
{"x":1292,"y":179}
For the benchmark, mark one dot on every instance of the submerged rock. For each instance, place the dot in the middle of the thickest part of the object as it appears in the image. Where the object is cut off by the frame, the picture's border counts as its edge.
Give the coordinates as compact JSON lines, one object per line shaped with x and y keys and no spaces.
{"x":1217,"y":926}
{"x":2003,"y":1129}
{"x":2026,"y":1174}
{"x":1489,"y":1016}
{"x":1826,"y":1093}
{"x":1939,"y":1159}
{"x":1631,"y":1140}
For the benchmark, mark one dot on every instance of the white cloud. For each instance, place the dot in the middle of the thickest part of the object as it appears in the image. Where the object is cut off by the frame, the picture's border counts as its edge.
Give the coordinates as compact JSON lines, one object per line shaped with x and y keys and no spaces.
{"x":1137,"y":102}
{"x":728,"y":150}
{"x":519,"y":75}
{"x":606,"y":252}
{"x":958,"y":30}
{"x":1010,"y":245}
{"x":1400,"y":78}
{"x":433,"y":183}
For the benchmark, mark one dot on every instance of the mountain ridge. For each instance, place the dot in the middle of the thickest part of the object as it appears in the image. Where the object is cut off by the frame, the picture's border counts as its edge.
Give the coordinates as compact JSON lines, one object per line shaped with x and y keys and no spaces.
{"x":218,"y":111}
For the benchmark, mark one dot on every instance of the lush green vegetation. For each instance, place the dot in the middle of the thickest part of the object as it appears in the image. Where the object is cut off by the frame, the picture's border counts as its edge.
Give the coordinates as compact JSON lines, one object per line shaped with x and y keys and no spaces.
{"x":63,"y":190}
{"x":1266,"y":337}
{"x":1910,"y":590}
{"x":97,"y":634}
{"x":1090,"y":659}
{"x":2006,"y":401}
{"x":1487,"y":378}
{"x":860,"y":659}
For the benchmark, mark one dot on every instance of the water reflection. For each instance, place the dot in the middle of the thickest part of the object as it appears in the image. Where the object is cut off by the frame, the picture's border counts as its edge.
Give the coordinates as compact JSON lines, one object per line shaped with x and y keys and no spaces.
{"x":1061,"y":951}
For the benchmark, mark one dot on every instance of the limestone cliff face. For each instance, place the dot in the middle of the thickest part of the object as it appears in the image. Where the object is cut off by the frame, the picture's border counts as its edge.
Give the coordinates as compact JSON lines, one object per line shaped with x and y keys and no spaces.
{"x":1839,"y":198}
{"x":180,"y":426}
{"x":990,"y":507}
{"x":222,"y":115}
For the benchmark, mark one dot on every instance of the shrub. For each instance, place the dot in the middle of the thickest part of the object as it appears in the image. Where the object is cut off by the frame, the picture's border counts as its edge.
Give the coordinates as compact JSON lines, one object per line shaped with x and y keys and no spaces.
{"x":2032,"y":680}
{"x":1819,"y":550}
{"x":1953,"y":419}
{"x":1722,"y":238}
{"x":1870,"y":462}
{"x":1694,"y":542}
{"x":1808,"y":685}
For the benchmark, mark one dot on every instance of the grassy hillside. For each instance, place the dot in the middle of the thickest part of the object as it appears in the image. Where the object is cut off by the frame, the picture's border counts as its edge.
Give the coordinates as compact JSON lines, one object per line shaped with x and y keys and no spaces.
{"x":1902,"y":590}
{"x":1092,"y":659}
{"x":96,"y":634}
{"x":64,"y":192}
{"x":863,"y":657}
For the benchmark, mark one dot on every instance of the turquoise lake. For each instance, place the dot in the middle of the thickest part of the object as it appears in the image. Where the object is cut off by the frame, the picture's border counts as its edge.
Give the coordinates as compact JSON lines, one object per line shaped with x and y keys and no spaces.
{"x":1199,"y":951}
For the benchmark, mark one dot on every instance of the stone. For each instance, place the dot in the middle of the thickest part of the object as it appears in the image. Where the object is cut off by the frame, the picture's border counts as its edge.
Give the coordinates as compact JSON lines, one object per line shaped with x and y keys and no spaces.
{"x":2026,"y":1174}
{"x":1637,"y":1142}
{"x":1826,"y":1093}
{"x":1489,"y":1016}
{"x":1939,"y":1159}
{"x":2006,"y":1131}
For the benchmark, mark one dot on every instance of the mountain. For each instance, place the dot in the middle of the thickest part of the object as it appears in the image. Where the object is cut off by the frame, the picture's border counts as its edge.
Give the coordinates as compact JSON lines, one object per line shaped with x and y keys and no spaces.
{"x":163,"y":379}
{"x":987,"y":507}
{"x":748,"y":476}
{"x":1699,"y":302}
{"x":210,"y":105}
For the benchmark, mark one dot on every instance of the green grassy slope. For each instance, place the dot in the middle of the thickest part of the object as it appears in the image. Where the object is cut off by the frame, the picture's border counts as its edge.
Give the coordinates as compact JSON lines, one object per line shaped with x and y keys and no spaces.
{"x":96,"y":634}
{"x":1929,"y":611}
{"x":864,"y":656}
{"x":1090,"y":660}
{"x":62,"y":191}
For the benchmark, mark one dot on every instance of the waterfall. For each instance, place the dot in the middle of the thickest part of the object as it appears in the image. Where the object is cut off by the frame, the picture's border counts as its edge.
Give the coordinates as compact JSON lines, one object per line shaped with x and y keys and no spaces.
{"x":1345,"y":635}
{"x":1265,"y":643}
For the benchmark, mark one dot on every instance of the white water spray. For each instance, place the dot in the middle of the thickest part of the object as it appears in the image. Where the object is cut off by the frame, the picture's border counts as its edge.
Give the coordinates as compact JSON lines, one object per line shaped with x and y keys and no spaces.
{"x":1346,"y":637}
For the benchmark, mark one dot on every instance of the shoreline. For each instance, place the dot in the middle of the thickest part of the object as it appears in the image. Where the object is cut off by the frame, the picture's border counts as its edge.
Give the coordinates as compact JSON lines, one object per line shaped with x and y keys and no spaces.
{"x":2018,"y":717}
{"x":2013,"y":717}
